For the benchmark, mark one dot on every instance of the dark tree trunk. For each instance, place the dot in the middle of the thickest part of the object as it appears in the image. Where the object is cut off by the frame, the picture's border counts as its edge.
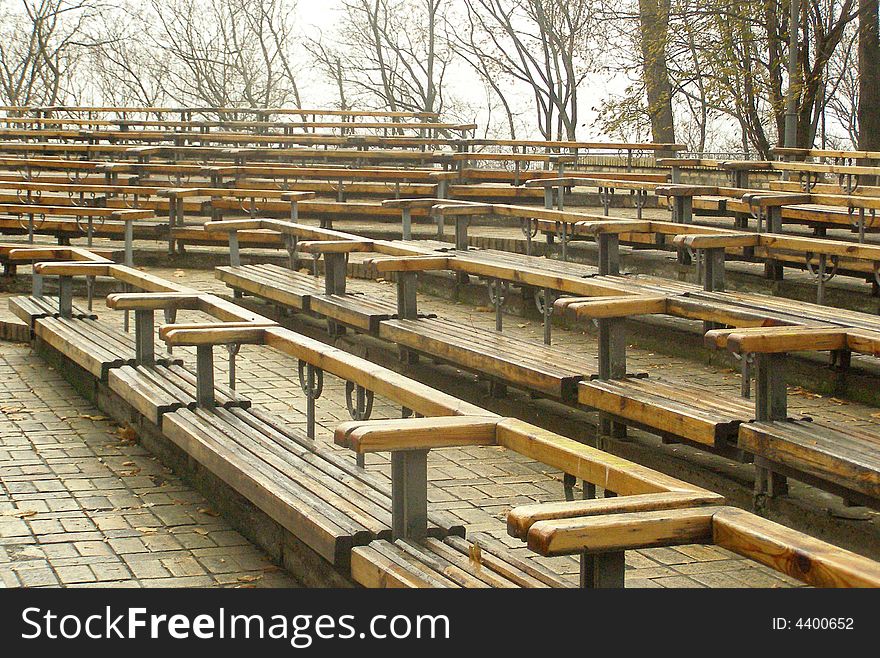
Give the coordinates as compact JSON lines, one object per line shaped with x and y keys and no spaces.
{"x":654,"y":24}
{"x":869,"y":76}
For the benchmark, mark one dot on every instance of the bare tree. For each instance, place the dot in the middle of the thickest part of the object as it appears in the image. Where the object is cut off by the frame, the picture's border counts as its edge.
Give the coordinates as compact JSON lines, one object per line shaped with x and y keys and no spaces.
{"x":387,"y":54}
{"x":41,"y":42}
{"x":542,"y":45}
{"x":225,"y":53}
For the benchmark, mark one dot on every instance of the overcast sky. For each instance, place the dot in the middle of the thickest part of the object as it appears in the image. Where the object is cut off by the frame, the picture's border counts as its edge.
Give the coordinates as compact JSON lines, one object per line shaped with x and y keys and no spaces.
{"x":320,"y":15}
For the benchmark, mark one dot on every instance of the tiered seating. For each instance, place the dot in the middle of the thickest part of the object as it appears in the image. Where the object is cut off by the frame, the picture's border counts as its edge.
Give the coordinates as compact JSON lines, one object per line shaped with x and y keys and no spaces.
{"x":332,"y":507}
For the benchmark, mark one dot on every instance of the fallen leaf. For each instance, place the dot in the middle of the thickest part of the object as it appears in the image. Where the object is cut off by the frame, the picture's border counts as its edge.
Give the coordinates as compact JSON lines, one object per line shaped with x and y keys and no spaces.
{"x":128,"y":463}
{"x":179,"y":274}
{"x":797,"y":390}
{"x":147,"y":531}
{"x":21,"y":513}
{"x":208,"y":511}
{"x":200,"y":531}
{"x":127,"y":434}
{"x":485,"y":309}
{"x":249,"y":578}
{"x":476,"y":555}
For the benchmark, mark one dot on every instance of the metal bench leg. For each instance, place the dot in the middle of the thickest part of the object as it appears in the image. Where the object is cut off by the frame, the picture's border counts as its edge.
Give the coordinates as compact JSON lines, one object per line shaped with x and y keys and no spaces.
{"x":205,"y":375}
{"x":334,"y":284}
{"x":360,"y":407}
{"x":683,"y":214}
{"x":65,"y":296}
{"x":407,"y":224}
{"x":770,"y":394}
{"x":234,"y":252}
{"x":172,"y":222}
{"x":609,"y":253}
{"x":37,"y":285}
{"x":144,"y":323}
{"x":603,"y":571}
{"x":461,"y":232}
{"x":770,"y":404}
{"x":409,"y":494}
{"x":547,"y":308}
{"x":129,"y":243}
{"x":568,"y":483}
{"x":407,"y":308}
{"x":713,"y":276}
{"x":311,"y":381}
{"x":612,"y":365}
{"x":768,"y":483}
{"x":233,"y":349}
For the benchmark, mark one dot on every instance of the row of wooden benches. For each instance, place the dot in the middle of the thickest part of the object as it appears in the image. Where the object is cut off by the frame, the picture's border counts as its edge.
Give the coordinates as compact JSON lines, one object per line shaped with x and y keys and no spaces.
{"x":671,"y":408}
{"x":343,"y":514}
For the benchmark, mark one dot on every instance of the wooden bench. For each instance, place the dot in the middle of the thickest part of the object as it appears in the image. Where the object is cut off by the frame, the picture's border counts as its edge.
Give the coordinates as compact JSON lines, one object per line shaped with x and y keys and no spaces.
{"x":334,"y":512}
{"x":638,"y":188}
{"x":597,"y":530}
{"x":502,"y":358}
{"x":844,"y":460}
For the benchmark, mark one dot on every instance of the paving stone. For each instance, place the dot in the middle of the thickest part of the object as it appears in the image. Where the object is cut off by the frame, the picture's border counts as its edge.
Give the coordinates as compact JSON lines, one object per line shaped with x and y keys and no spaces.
{"x":83,"y":532}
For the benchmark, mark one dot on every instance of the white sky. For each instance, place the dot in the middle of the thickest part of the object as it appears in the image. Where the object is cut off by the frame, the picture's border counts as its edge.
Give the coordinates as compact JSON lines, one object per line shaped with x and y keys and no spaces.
{"x":319,"y":15}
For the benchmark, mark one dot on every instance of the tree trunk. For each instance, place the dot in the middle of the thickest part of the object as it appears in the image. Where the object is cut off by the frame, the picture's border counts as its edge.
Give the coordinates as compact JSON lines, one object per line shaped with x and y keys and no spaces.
{"x":654,"y":24}
{"x":869,"y":76}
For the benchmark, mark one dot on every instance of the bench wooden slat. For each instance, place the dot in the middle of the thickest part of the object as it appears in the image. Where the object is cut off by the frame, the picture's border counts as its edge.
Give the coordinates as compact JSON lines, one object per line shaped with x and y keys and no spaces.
{"x":850,"y":459}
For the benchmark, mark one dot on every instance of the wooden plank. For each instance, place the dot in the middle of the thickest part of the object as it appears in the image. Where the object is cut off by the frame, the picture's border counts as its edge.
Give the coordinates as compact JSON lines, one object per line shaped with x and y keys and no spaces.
{"x":785,"y":339}
{"x":612,"y":307}
{"x":828,"y":454}
{"x":328,"y":539}
{"x":661,"y":410}
{"x":520,"y":519}
{"x":617,"y":532}
{"x":217,"y":335}
{"x":494,"y":361}
{"x":790,"y":552}
{"x":373,"y":570}
{"x":584,"y":462}
{"x":416,"y":433}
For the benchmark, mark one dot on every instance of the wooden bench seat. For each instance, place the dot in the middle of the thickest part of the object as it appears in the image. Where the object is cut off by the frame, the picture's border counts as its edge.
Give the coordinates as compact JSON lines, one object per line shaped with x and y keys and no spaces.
{"x":549,"y":265}
{"x":847,"y":458}
{"x":435,"y":563}
{"x":161,"y":389}
{"x":306,"y":293}
{"x":274,"y":283}
{"x":354,"y":310}
{"x":522,"y":363}
{"x":90,"y":344}
{"x":674,"y":409}
{"x":324,"y":500}
{"x":30,"y":309}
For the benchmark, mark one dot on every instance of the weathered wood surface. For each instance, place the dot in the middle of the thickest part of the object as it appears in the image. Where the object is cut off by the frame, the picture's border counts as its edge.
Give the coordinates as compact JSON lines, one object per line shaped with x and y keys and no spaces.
{"x":525,"y":364}
{"x":624,"y":531}
{"x":790,"y":552}
{"x":416,"y":433}
{"x":846,"y":456}
{"x":521,"y":519}
{"x":673,"y":409}
{"x":446,"y":563}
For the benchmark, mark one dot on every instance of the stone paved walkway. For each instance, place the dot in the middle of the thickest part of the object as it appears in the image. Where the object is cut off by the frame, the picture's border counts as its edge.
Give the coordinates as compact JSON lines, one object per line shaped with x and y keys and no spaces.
{"x":478,"y":485}
{"x":83,"y":505}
